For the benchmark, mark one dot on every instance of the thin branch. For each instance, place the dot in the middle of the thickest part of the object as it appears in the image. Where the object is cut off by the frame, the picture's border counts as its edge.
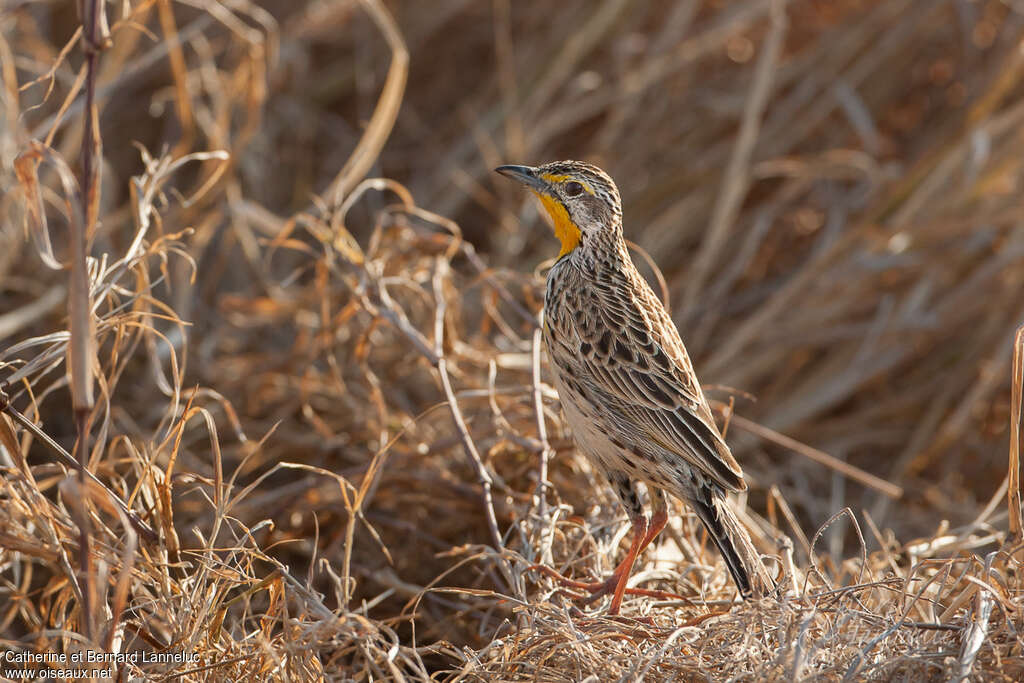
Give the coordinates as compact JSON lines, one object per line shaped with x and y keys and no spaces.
{"x":468,"y":445}
{"x":737,"y":176}
{"x":844,"y":468}
{"x":540,"y":497}
{"x":1013,"y":485}
{"x":81,"y":350}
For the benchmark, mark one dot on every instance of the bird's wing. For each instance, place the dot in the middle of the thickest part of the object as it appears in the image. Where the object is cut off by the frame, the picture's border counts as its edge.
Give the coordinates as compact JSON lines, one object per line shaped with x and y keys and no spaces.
{"x":640,"y":370}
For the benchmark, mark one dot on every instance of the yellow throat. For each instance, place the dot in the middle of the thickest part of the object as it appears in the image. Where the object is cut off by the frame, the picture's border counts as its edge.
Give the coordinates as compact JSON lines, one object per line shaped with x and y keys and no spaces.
{"x":565,"y":230}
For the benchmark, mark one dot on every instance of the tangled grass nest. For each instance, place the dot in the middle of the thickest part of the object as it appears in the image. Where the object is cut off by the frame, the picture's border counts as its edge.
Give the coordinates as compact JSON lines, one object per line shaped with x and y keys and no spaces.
{"x":317,"y":434}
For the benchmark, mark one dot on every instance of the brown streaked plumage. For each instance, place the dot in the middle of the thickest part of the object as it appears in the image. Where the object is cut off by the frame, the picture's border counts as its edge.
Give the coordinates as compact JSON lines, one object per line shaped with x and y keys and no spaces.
{"x":627,"y":386}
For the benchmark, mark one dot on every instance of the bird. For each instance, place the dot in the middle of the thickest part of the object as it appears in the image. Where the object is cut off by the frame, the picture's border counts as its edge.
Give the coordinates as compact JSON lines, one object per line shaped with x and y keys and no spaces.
{"x":628,"y":389}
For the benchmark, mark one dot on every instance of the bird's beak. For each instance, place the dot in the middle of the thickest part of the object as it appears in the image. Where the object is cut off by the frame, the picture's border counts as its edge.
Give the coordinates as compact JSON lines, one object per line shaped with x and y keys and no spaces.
{"x":526,"y":175}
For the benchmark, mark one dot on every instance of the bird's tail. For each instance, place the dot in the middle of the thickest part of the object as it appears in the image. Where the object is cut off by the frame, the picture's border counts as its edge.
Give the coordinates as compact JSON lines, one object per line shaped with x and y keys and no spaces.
{"x":733,"y":541}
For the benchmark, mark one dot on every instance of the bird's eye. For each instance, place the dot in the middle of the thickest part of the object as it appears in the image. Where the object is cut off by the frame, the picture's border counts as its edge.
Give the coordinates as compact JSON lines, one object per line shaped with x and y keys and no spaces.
{"x":573,"y":189}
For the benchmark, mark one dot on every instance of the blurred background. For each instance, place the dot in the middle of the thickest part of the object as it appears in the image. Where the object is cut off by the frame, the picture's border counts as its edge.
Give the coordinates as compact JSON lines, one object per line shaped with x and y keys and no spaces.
{"x":830,"y":188}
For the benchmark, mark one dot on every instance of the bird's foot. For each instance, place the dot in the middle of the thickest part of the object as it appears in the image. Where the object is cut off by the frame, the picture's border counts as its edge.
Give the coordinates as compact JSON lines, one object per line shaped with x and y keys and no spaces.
{"x":595,"y":590}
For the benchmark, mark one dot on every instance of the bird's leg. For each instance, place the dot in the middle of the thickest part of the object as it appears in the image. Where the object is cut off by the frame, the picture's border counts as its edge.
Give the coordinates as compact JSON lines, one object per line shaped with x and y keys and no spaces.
{"x":616,"y":583}
{"x":659,"y":518}
{"x":643,"y":533}
{"x":620,"y":576}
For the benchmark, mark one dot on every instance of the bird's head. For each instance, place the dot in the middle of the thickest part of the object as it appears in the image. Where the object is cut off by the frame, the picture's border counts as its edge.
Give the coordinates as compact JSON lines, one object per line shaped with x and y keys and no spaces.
{"x":580,"y":198}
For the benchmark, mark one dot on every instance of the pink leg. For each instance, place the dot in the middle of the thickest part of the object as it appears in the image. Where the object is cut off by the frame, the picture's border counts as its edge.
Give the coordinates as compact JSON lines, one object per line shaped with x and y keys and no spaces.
{"x":658,"y":522}
{"x":659,"y":518}
{"x":622,"y":572}
{"x":643,"y":534}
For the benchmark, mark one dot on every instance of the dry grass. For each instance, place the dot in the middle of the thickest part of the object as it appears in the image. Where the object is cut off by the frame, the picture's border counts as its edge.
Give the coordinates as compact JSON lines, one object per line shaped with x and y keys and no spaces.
{"x":264,"y":407}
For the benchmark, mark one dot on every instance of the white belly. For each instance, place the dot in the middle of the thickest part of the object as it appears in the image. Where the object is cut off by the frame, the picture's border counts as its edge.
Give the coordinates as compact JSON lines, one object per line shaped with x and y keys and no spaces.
{"x":592,"y":436}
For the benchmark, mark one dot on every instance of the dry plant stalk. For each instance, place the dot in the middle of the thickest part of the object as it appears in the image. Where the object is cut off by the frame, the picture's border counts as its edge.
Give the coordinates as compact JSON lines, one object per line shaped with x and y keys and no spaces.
{"x":322,"y":442}
{"x":1013,"y":492}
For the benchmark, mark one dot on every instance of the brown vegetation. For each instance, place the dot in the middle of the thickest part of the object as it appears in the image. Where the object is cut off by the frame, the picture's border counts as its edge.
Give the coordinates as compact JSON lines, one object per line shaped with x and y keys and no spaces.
{"x":314,"y":418}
